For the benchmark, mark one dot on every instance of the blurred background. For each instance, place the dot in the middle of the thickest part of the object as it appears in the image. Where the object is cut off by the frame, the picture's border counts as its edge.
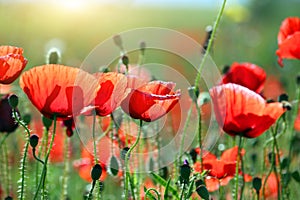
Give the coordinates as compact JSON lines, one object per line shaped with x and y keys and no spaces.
{"x":248,"y":30}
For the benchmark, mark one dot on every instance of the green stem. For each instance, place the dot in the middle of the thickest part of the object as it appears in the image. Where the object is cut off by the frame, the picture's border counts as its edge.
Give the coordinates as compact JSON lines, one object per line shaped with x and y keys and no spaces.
{"x":184,"y":132}
{"x":182,"y":191}
{"x":66,"y":167}
{"x":237,"y":169}
{"x":154,"y":190}
{"x":210,"y":42}
{"x":94,"y":138}
{"x":44,"y":171}
{"x":200,"y":135}
{"x":3,"y":139}
{"x":35,"y":157}
{"x":127,"y":170}
{"x":90,"y":195}
{"x":23,"y":162}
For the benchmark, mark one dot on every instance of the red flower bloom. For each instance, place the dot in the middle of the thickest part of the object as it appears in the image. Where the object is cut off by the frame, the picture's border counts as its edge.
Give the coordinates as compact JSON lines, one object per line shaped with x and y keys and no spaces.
{"x":151,"y":101}
{"x":52,"y":90}
{"x":248,"y":75}
{"x":220,"y":171}
{"x":289,"y":39}
{"x":12,"y":63}
{"x":111,"y":93}
{"x":271,"y":190}
{"x":240,"y":111}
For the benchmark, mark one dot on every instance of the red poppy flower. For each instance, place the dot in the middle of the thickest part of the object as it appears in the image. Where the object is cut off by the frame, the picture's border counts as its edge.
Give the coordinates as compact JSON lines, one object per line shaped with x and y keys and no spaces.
{"x":111,"y":93}
{"x":7,"y":123}
{"x":271,"y":189}
{"x":151,"y":101}
{"x":52,"y":90}
{"x":297,"y":121}
{"x":246,"y":74}
{"x":273,"y":88}
{"x":12,"y":63}
{"x":289,"y":40}
{"x":220,"y":171}
{"x":240,"y":111}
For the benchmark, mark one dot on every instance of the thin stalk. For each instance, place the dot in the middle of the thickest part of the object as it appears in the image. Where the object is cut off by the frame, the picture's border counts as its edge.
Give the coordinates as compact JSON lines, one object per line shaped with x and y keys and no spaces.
{"x":127,"y":170}
{"x":44,"y":171}
{"x":210,"y":42}
{"x":3,"y":139}
{"x":200,"y":135}
{"x":237,"y":169}
{"x":66,"y":167}
{"x":23,"y":162}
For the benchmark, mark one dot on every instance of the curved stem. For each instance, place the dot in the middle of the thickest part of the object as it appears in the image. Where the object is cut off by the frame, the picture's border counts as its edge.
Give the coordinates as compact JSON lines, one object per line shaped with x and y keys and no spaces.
{"x":210,"y":42}
{"x":23,"y":162}
{"x":127,"y":170}
{"x":44,"y":171}
{"x":154,"y":190}
{"x":90,"y":195}
{"x":35,"y":157}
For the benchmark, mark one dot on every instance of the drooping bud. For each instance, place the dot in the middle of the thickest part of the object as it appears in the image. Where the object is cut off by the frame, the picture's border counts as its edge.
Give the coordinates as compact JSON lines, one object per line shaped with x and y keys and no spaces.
{"x":256,"y":183}
{"x":143,"y":47}
{"x":185,"y":172}
{"x":203,"y":192}
{"x":96,"y":172}
{"x":194,"y":93}
{"x":53,"y":56}
{"x":114,"y":166}
{"x":26,"y":118}
{"x":125,"y":60}
{"x":34,"y":140}
{"x":47,"y":122}
{"x":13,"y":100}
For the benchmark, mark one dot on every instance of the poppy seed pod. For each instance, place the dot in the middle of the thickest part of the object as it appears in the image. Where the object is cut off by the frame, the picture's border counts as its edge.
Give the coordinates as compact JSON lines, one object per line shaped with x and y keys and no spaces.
{"x":34,"y":140}
{"x":13,"y":100}
{"x":53,"y":56}
{"x":96,"y":172}
{"x":185,"y":172}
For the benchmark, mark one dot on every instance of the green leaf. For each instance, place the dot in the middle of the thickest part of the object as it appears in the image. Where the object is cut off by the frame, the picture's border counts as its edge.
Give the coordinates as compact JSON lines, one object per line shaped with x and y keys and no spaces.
{"x":296,"y":176}
{"x":166,"y":195}
{"x":149,"y":194}
{"x":190,"y":189}
{"x":163,"y":182}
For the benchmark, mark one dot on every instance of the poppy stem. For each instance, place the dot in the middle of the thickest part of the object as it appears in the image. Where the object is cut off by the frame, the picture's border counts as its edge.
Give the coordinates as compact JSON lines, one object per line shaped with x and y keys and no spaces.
{"x":35,"y":157}
{"x":66,"y":167}
{"x":90,"y":195}
{"x":127,"y":170}
{"x":210,"y":42}
{"x":23,"y":161}
{"x":3,"y":139}
{"x":237,"y":170}
{"x":44,"y":171}
{"x":200,"y":135}
{"x":94,"y":138}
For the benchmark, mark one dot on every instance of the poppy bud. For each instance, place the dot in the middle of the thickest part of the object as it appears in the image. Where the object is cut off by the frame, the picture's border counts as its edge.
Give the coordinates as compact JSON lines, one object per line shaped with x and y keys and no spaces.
{"x":142,"y":47}
{"x":114,"y":166}
{"x":226,"y":69}
{"x":298,"y":80}
{"x":202,"y":192}
{"x":53,"y":56}
{"x":96,"y":172}
{"x":193,"y":155}
{"x":185,"y":172}
{"x":70,"y":124}
{"x":8,"y":198}
{"x":256,"y":183}
{"x":47,"y":122}
{"x":26,"y":118}
{"x":13,"y":101}
{"x":194,"y":93}
{"x":118,"y":41}
{"x":208,"y":30}
{"x":34,"y":140}
{"x":163,"y":172}
{"x":286,"y":105}
{"x":296,"y":176}
{"x":125,"y":60}
{"x":199,"y":182}
{"x":151,"y":164}
{"x":283,"y":97}
{"x":124,"y":152}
